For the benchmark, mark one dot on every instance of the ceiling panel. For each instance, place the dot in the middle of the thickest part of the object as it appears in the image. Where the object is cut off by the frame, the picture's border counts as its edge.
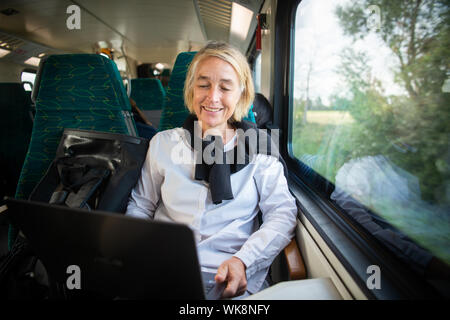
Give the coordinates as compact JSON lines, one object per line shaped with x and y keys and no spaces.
{"x":216,"y":18}
{"x":136,"y":23}
{"x":150,"y":30}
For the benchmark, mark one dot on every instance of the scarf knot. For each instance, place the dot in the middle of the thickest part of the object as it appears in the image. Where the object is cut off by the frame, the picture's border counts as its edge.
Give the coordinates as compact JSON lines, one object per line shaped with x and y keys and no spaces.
{"x":215,"y":166}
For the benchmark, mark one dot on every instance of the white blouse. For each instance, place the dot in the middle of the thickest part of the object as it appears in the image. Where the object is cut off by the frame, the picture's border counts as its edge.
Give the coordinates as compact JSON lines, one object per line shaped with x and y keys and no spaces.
{"x":167,"y":191}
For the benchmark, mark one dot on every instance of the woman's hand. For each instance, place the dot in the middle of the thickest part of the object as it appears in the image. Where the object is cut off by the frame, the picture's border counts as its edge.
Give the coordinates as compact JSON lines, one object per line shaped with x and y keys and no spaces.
{"x":233,"y":272}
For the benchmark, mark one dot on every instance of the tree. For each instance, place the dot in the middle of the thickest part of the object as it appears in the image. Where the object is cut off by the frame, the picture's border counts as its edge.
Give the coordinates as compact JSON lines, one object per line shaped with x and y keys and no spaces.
{"x":418,"y":34}
{"x":412,"y":130}
{"x":413,"y":29}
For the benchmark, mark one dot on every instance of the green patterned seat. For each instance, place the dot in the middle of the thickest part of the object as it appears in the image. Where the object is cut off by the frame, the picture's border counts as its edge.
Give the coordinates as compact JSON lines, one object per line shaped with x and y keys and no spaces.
{"x":81,"y":91}
{"x":148,"y":94}
{"x":175,"y":112}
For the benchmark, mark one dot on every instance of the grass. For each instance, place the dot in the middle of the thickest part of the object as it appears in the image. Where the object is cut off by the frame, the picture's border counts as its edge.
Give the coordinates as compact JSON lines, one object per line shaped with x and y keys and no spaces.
{"x":325,"y":143}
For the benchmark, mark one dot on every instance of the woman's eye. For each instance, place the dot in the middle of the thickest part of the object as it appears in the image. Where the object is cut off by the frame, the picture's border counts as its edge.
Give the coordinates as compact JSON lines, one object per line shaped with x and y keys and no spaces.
{"x":225,"y":89}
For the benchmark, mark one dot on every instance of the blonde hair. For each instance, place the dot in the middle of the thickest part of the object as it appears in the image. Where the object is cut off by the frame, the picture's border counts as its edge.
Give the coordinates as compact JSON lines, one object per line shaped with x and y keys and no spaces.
{"x":237,"y":60}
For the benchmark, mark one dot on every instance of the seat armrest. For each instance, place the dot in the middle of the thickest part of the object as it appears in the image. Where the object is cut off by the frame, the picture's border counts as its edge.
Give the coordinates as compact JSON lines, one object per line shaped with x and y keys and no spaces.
{"x":294,"y":261}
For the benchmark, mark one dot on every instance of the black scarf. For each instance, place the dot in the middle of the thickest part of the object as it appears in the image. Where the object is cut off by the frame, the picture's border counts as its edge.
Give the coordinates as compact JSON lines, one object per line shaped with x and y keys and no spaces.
{"x":216,"y":169}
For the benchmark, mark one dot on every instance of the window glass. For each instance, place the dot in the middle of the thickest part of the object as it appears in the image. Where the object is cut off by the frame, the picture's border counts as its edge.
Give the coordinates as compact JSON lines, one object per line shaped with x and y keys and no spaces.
{"x":371,"y":110}
{"x":28,"y":77}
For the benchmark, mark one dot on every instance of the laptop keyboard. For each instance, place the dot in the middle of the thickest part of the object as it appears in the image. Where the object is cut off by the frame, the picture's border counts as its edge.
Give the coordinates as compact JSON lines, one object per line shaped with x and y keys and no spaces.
{"x":213,"y":291}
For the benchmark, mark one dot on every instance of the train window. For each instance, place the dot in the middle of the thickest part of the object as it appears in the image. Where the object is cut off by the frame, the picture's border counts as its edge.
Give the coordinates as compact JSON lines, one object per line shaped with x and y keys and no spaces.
{"x":370,"y":118}
{"x":27,"y":77}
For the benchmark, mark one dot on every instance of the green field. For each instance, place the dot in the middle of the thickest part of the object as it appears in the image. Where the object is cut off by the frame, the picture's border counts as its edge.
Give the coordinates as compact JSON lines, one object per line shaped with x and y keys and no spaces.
{"x":318,"y":137}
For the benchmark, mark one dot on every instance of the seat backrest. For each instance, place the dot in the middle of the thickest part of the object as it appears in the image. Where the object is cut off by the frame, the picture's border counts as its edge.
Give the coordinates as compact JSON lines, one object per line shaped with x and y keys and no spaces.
{"x":15,"y":133}
{"x":148,"y":93}
{"x":262,"y":110}
{"x":80,"y":91}
{"x":149,"y":96}
{"x":175,"y":112}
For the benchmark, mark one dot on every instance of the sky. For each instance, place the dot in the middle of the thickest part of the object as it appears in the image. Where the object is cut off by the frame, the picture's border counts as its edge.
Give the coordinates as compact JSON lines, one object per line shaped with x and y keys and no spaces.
{"x":319,"y":39}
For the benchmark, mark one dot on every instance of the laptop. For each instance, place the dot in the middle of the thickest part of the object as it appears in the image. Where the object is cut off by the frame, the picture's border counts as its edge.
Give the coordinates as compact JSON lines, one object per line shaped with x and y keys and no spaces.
{"x":117,"y":256}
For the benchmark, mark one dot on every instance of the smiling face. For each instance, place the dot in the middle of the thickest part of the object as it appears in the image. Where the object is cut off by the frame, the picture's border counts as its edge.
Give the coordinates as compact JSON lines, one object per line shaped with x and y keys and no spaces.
{"x":216,"y":92}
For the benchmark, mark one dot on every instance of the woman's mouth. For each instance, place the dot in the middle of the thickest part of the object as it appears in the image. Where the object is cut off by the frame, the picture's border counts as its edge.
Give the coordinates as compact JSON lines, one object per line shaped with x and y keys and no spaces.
{"x":212,"y":109}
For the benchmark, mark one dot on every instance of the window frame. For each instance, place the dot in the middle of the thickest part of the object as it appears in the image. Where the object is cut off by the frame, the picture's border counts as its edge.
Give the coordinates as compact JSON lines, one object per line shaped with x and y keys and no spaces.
{"x":354,"y":246}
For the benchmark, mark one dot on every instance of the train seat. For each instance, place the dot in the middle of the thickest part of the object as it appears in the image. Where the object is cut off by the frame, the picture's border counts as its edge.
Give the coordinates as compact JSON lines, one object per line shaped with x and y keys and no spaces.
{"x":15,"y":126}
{"x":175,"y":112}
{"x":80,"y":91}
{"x":149,"y":95}
{"x":262,"y":110}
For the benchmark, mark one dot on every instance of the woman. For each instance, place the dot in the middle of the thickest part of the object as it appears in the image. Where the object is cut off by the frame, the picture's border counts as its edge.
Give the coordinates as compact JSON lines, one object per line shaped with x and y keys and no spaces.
{"x":220,"y":201}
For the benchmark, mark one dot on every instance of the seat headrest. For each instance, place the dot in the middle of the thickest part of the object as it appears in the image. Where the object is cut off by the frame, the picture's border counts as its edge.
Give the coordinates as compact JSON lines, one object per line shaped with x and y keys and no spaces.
{"x":262,"y":110}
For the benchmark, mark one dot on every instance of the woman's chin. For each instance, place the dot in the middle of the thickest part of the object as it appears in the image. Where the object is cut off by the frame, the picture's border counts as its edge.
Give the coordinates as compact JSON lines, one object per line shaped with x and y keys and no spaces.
{"x":211,"y":122}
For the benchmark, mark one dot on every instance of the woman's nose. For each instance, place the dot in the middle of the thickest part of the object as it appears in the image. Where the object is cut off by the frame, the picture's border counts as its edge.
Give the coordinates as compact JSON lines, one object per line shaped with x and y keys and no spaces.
{"x":214,"y":94}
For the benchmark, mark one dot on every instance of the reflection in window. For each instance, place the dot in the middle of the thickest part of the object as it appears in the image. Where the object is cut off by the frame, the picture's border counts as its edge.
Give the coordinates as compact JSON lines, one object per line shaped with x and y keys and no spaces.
{"x":371,"y":112}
